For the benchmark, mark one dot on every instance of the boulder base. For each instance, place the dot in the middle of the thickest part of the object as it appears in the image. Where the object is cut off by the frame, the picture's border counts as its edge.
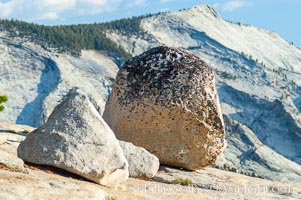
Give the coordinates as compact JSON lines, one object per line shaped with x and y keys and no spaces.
{"x":141,"y":162}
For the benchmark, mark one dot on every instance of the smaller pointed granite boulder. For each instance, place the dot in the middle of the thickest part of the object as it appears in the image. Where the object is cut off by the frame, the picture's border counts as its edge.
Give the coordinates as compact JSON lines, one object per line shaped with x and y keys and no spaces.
{"x":77,"y":139}
{"x":141,"y":162}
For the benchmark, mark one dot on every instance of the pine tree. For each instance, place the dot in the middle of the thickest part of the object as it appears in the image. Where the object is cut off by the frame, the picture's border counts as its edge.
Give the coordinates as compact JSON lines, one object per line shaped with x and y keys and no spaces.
{"x":2,"y":100}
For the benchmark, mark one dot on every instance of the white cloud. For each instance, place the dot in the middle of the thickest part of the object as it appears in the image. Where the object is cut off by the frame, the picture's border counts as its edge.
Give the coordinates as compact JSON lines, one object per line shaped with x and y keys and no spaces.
{"x":51,"y":10}
{"x":166,"y":1}
{"x":135,"y":3}
{"x":57,"y":4}
{"x":7,"y":8}
{"x":34,"y":10}
{"x":233,"y":5}
{"x":93,"y":7}
{"x":95,"y":2}
{"x":49,"y":16}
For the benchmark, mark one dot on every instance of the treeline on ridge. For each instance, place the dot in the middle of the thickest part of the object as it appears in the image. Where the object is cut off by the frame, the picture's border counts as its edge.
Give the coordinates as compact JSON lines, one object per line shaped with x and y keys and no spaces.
{"x":74,"y":38}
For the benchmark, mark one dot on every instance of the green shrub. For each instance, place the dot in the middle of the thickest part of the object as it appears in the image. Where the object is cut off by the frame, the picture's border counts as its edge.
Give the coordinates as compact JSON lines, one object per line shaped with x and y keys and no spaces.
{"x":184,"y":182}
{"x":2,"y":100}
{"x":110,"y":198}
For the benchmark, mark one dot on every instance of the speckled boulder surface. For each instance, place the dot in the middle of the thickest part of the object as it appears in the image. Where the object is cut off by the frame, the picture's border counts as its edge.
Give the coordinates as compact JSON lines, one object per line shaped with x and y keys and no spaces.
{"x":77,"y":139}
{"x":141,"y":162}
{"x":165,"y":100}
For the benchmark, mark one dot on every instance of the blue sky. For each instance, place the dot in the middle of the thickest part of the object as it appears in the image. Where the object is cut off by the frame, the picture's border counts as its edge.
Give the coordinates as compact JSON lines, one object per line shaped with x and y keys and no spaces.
{"x":281,"y":16}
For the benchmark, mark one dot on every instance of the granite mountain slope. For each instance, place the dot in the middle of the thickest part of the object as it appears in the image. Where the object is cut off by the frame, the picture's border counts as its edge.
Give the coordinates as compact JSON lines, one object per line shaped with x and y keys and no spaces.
{"x":258,"y":79}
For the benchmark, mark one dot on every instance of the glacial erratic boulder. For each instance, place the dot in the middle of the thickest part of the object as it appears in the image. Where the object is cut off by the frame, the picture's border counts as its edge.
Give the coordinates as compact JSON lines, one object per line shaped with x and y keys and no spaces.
{"x":76,"y":138}
{"x":165,"y":100}
{"x":141,"y":162}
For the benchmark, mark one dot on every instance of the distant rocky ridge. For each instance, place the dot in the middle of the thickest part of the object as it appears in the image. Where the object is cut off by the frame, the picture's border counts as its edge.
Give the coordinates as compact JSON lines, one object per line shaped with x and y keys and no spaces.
{"x":36,"y":79}
{"x":258,"y":80}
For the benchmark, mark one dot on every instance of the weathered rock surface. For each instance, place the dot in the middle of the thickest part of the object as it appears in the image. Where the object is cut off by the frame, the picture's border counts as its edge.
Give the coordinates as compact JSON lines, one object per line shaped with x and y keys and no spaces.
{"x":165,"y":100}
{"x":44,"y":183}
{"x":228,"y":185}
{"x":31,"y":183}
{"x":16,"y":128}
{"x":7,"y":137}
{"x":76,"y":139}
{"x":8,"y":146}
{"x":36,"y":185}
{"x":141,"y":162}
